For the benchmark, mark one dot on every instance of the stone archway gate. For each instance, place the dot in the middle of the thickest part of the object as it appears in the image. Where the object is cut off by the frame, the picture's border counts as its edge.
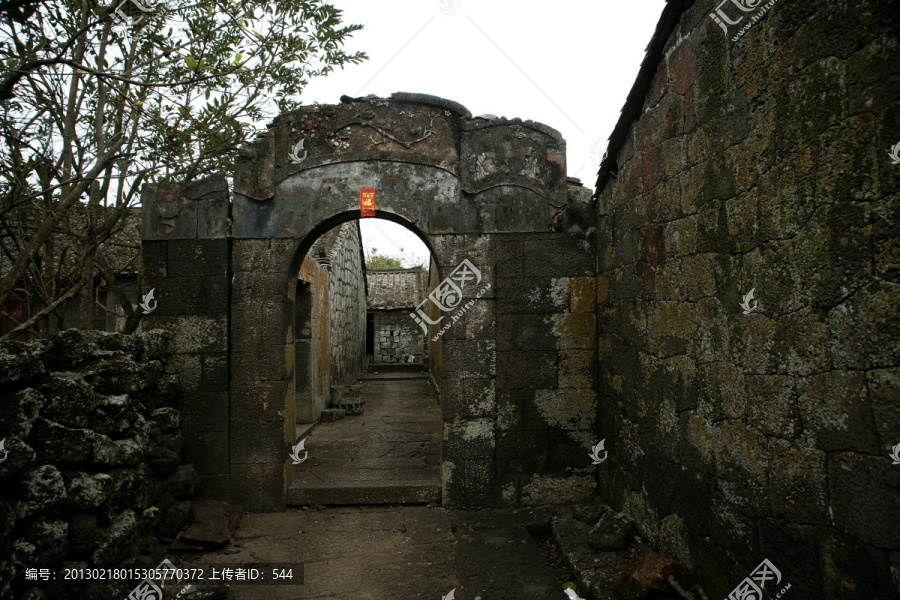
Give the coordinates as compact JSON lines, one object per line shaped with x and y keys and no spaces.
{"x":518,"y":368}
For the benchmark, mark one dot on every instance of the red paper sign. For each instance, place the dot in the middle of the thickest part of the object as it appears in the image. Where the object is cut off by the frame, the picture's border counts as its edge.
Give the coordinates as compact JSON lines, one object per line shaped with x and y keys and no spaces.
{"x":366,"y":203}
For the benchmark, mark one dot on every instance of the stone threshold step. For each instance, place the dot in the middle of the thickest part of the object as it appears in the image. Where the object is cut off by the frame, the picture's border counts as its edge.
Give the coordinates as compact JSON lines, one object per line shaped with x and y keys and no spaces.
{"x":364,"y":492}
{"x":395,"y":368}
{"x":391,"y":376}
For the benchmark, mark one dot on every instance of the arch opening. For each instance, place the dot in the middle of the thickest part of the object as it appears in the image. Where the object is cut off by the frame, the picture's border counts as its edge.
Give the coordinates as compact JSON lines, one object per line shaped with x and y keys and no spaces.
{"x":369,"y":421}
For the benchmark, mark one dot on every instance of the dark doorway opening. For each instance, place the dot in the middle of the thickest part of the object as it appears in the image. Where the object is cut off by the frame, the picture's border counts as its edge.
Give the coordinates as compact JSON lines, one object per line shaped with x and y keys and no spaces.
{"x":370,"y":334}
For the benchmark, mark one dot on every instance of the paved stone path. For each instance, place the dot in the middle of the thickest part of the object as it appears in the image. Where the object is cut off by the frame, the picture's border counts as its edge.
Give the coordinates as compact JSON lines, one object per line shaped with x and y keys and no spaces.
{"x":388,"y":455}
{"x":395,"y":553}
{"x":389,"y":552}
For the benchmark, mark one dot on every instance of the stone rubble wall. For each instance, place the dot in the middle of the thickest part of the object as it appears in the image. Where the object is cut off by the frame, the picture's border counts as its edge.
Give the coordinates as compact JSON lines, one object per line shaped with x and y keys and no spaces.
{"x":760,"y":164}
{"x":94,"y":470}
{"x":397,"y":337}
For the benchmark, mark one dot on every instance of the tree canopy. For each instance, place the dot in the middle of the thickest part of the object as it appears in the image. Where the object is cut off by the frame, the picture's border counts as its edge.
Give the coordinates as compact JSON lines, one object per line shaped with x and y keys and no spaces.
{"x":384,"y":262}
{"x":96,"y":100}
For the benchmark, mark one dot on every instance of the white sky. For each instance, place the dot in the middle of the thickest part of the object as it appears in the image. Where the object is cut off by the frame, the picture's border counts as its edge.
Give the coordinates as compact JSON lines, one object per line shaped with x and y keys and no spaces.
{"x":566,"y":63}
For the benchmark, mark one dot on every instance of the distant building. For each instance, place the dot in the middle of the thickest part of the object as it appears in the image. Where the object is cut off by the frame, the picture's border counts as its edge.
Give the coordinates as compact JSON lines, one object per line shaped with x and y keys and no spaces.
{"x":392,"y":336}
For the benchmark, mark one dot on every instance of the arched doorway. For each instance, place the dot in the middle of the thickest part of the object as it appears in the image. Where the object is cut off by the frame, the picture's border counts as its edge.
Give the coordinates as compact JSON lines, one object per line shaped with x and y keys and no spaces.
{"x":369,"y":426}
{"x":488,"y":194}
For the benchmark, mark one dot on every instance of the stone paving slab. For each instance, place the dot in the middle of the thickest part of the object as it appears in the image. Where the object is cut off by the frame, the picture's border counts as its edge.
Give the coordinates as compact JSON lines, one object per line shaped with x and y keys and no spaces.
{"x":395,"y":376}
{"x":364,"y":492}
{"x":388,"y":455}
{"x":390,"y":553}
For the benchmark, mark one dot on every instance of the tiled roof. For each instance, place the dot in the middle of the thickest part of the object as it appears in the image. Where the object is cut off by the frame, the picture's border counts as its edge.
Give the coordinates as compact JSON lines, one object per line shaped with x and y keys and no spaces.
{"x":400,"y":288}
{"x":634,"y":105}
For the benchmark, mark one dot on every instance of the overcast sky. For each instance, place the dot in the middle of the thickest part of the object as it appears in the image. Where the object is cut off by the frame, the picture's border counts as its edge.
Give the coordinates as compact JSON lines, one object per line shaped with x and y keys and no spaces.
{"x":566,"y":63}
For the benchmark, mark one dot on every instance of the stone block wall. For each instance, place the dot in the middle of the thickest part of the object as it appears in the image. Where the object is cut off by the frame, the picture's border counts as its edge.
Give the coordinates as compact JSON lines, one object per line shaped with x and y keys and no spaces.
{"x":517,"y":389}
{"x":347,"y":297}
{"x":313,"y":348}
{"x":397,"y":336}
{"x":187,"y":261}
{"x":261,"y":419}
{"x":433,"y":343}
{"x":759,"y":163}
{"x":92,"y":443}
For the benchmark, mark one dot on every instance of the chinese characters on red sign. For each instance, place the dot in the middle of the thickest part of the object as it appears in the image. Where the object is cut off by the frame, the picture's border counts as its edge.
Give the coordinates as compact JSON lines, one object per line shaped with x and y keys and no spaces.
{"x":366,"y":203}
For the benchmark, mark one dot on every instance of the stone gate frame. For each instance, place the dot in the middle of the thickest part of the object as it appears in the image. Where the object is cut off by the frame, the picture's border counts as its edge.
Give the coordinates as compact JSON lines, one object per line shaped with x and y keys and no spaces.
{"x":518,"y":397}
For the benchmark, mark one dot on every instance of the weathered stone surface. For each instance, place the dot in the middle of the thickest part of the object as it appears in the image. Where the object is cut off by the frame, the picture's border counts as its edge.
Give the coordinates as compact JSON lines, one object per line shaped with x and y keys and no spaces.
{"x":20,"y":458}
{"x":612,"y":532}
{"x":75,"y":445}
{"x":737,"y":169}
{"x":88,"y":420}
{"x":86,"y":490}
{"x":115,"y":540}
{"x":19,"y":364}
{"x":181,"y":482}
{"x":40,"y":490}
{"x":168,"y":419}
{"x":651,"y":574}
{"x":174,"y":517}
{"x":50,"y":539}
{"x":214,"y":522}
{"x":333,"y":414}
{"x":70,"y":399}
{"x":21,"y":409}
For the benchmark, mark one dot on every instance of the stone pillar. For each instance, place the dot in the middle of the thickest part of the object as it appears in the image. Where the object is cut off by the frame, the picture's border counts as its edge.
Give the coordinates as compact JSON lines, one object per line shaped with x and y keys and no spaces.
{"x":262,"y":389}
{"x":186,"y":254}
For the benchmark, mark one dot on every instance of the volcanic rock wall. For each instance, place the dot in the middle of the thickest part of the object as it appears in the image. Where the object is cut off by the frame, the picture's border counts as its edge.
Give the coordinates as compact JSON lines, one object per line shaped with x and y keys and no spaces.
{"x":94,"y":470}
{"x":759,"y":162}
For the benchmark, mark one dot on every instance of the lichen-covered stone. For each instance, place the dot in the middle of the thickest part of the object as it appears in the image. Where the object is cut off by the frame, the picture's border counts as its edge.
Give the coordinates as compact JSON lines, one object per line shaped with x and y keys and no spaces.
{"x":156,"y":343}
{"x":20,"y":459}
{"x":40,"y":490}
{"x":21,"y":408}
{"x":784,"y":187}
{"x":19,"y":363}
{"x":167,"y":419}
{"x":57,"y":420}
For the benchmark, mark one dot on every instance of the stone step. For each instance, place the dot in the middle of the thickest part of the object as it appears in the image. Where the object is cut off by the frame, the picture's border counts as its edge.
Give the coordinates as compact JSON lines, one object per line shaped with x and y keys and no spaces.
{"x":392,"y":376}
{"x":364,"y":492}
{"x":395,"y":368}
{"x":332,"y":414}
